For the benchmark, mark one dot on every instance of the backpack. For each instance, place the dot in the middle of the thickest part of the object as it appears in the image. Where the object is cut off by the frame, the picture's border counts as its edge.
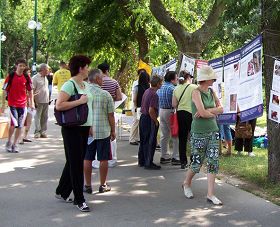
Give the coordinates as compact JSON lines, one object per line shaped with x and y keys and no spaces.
{"x":11,"y":76}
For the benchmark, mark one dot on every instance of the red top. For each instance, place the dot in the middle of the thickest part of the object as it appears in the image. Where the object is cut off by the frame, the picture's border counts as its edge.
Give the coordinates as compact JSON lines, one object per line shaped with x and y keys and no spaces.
{"x":17,"y":90}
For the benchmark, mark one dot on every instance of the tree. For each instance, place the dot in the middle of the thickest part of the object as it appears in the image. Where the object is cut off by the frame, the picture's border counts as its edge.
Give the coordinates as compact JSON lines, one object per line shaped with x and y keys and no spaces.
{"x":188,"y":42}
{"x":271,"y":42}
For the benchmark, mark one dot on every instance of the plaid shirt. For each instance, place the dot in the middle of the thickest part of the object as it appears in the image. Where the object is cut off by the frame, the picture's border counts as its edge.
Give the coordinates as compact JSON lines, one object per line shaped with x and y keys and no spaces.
{"x":165,"y":95}
{"x":102,"y":105}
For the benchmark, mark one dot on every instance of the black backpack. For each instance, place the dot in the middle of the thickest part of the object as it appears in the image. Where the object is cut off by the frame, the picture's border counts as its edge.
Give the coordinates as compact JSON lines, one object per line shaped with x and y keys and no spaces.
{"x":11,"y":76}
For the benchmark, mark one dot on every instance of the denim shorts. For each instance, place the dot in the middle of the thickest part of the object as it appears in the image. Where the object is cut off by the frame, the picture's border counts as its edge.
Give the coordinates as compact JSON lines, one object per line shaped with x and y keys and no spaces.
{"x":225,"y":132}
{"x":103,"y":149}
{"x":205,"y":145}
{"x":18,"y":116}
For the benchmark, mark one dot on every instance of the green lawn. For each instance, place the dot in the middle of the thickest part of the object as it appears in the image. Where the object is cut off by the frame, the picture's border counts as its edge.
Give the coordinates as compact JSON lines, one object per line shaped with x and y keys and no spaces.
{"x":253,"y":170}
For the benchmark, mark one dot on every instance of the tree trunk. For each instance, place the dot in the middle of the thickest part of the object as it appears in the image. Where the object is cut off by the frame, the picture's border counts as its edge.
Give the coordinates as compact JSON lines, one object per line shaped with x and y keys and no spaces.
{"x":188,"y":43}
{"x":271,"y":47}
{"x":121,"y":76}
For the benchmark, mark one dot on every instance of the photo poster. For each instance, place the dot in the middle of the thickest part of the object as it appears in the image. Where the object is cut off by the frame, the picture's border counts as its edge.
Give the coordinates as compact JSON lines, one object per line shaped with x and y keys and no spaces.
{"x":199,"y":63}
{"x":163,"y":69}
{"x":249,"y":96}
{"x":217,"y":65}
{"x":276,"y":76}
{"x":188,"y":64}
{"x":274,"y":107}
{"x":231,"y":84}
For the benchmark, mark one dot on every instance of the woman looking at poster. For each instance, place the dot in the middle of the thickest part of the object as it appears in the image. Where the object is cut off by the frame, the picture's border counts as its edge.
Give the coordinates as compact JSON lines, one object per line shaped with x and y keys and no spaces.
{"x":181,"y":100}
{"x":204,"y":133}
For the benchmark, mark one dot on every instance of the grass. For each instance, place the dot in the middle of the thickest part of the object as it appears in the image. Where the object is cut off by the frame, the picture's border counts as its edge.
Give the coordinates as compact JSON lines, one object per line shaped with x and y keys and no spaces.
{"x":261,"y":121}
{"x":254,"y":171}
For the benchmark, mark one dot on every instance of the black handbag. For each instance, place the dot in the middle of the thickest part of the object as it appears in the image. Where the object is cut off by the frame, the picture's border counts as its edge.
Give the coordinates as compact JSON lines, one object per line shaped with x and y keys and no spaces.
{"x":75,"y":116}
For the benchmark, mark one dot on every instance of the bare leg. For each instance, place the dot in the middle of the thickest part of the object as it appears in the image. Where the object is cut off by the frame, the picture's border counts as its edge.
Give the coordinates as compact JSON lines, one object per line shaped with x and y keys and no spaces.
{"x":211,"y":182}
{"x":11,"y":132}
{"x":17,"y":135}
{"x":229,"y":146}
{"x":28,"y":125}
{"x":189,"y":176}
{"x":87,"y":172}
{"x":103,"y":171}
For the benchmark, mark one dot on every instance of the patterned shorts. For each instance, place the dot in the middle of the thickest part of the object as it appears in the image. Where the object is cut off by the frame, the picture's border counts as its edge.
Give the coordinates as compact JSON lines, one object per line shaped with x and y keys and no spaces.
{"x":205,"y":145}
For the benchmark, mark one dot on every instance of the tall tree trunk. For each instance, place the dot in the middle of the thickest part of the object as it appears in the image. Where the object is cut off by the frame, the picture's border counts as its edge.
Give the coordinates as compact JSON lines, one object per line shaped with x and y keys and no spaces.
{"x":271,"y":42}
{"x":189,"y":43}
{"x":121,"y":75}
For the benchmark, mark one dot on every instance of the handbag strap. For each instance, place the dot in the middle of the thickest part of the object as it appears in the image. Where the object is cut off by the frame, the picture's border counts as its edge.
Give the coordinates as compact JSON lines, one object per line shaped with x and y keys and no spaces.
{"x":183,"y":94}
{"x":75,"y":89}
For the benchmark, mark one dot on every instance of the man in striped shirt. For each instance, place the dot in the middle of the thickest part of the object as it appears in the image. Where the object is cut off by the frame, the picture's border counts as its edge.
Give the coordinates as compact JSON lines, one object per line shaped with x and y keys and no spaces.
{"x":109,"y":84}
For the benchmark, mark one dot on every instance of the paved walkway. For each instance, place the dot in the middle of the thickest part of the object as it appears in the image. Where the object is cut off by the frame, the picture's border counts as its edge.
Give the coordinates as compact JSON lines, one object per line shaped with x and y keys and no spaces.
{"x":138,"y":198}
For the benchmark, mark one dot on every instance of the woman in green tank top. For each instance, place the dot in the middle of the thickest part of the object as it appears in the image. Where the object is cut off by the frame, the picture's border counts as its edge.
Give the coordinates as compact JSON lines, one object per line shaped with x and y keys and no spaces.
{"x":204,"y":133}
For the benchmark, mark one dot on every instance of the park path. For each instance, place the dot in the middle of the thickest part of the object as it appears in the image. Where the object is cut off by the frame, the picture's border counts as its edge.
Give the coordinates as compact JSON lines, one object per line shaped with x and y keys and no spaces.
{"x":138,"y":198}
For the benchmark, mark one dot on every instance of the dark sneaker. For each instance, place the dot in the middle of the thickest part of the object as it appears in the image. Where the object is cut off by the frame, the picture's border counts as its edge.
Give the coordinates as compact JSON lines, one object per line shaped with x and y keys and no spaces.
{"x":175,"y":162}
{"x":158,"y":147}
{"x":44,"y":136}
{"x":87,"y":189}
{"x":83,"y":207}
{"x":27,"y":140}
{"x":183,"y":166}
{"x":104,"y":188}
{"x":67,"y":200}
{"x":153,"y":167}
{"x":133,"y":143}
{"x":165,"y":160}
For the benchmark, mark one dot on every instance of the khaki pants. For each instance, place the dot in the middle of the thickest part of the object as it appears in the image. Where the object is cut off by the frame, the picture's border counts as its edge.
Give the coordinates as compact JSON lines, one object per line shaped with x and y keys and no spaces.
{"x":41,"y":118}
{"x":134,"y":132}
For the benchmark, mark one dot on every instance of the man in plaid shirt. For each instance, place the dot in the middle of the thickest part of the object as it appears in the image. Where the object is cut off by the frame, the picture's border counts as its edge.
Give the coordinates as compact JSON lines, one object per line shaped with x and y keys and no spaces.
{"x":103,"y":131}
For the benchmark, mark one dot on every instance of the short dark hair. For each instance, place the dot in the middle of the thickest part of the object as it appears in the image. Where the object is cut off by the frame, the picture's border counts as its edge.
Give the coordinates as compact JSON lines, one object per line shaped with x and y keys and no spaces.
{"x":140,"y":70}
{"x":104,"y":67}
{"x":184,"y":74}
{"x":155,"y":80}
{"x":20,"y":61}
{"x":62,"y":63}
{"x":170,"y":75}
{"x":76,"y":62}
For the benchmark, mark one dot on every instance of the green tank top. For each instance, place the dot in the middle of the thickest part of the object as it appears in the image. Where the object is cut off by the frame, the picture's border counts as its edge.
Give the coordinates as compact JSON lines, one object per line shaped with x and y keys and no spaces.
{"x":204,"y":125}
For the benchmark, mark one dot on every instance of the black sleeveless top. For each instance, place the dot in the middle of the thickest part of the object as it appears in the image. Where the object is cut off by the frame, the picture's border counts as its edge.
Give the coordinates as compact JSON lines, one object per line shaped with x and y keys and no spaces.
{"x":140,"y":93}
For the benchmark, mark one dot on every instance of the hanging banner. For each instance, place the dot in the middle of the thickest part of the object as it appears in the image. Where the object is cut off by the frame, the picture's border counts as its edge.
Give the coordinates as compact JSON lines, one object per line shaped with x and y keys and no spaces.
{"x":249,"y":96}
{"x":231,"y":83}
{"x":199,"y":63}
{"x":274,"y":107}
{"x":217,"y":65}
{"x":276,"y":76}
{"x":188,"y":64}
{"x":163,"y":69}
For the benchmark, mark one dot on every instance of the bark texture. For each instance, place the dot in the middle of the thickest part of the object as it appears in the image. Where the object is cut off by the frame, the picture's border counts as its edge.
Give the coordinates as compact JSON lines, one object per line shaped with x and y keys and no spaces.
{"x":271,"y":44}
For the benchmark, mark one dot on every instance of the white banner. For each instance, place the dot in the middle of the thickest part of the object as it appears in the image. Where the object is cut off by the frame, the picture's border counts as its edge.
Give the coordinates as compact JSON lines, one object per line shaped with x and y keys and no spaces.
{"x":188,"y":64}
{"x":276,"y":76}
{"x":274,"y":107}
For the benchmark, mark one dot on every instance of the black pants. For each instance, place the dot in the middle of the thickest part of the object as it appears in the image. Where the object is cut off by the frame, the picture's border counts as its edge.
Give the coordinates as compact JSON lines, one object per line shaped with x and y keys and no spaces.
{"x":148,"y":140}
{"x":247,"y":143}
{"x":72,"y":178}
{"x":184,"y":122}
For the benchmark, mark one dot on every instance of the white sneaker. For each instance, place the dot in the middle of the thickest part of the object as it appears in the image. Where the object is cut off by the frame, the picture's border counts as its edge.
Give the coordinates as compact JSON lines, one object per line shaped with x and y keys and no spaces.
{"x":112,"y":163}
{"x":251,"y":154}
{"x":214,"y":200}
{"x":187,"y":192}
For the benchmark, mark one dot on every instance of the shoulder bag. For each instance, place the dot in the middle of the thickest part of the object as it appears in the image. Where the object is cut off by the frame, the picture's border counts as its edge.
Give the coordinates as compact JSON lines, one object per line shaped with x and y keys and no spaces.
{"x":75,"y":116}
{"x":174,"y":126}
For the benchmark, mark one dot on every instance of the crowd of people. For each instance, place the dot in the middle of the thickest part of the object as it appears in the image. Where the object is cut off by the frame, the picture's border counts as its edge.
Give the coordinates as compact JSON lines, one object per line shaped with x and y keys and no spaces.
{"x":154,"y":101}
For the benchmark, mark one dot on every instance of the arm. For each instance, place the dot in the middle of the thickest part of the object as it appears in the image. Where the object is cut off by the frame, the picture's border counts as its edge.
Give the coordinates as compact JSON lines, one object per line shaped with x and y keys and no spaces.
{"x":135,"y":99}
{"x":218,"y":109}
{"x":111,"y":119}
{"x":118,"y":95}
{"x":62,"y":102}
{"x":54,"y":82}
{"x":30,"y":97}
{"x":201,"y":111}
{"x":174,"y":101}
{"x":153,"y":115}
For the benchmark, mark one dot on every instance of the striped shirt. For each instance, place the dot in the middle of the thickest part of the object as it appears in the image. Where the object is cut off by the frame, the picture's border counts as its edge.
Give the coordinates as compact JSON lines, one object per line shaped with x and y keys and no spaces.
{"x":102,"y":105}
{"x":165,"y":94}
{"x":110,"y":85}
